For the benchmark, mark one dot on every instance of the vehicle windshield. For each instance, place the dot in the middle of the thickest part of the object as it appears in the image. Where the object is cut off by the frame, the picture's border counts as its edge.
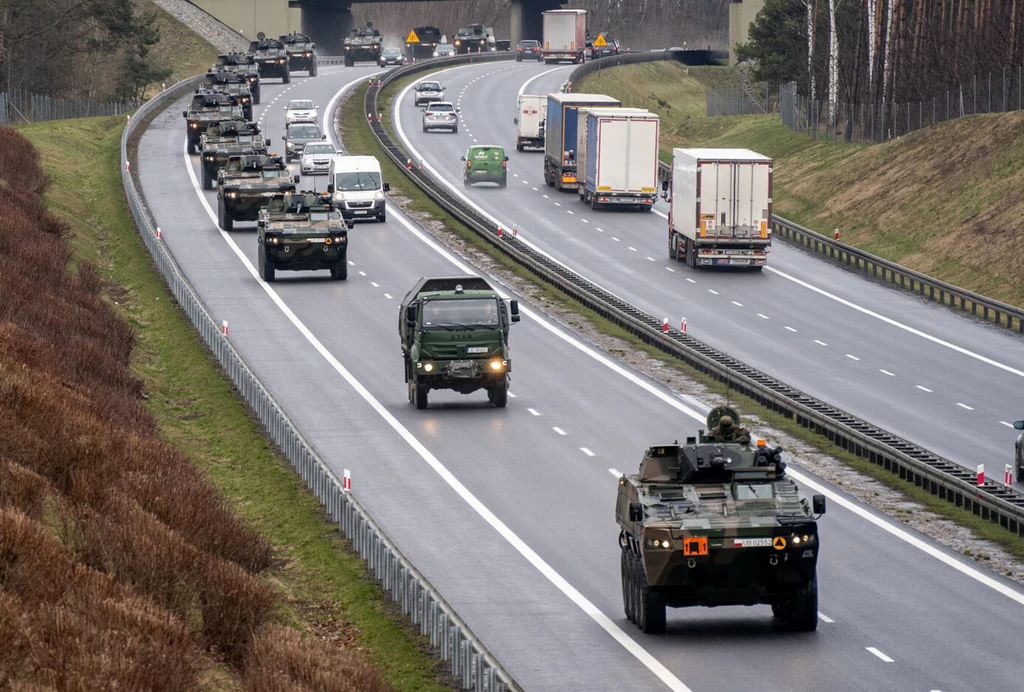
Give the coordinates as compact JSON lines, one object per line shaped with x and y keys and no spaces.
{"x":430,"y":86}
{"x":357,"y":181}
{"x":391,"y":51}
{"x":442,"y":107}
{"x":461,"y":312}
{"x":306,"y":131}
{"x":529,"y":44}
{"x":301,"y":105}
{"x":270,"y":175}
{"x":445,"y":48}
{"x":754,"y":491}
{"x":320,"y":149}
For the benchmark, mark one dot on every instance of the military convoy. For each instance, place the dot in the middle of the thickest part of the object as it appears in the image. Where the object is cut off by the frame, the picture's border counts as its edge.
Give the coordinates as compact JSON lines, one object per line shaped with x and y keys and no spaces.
{"x":272,"y":57}
{"x":474,"y":38}
{"x":230,"y":83}
{"x":362,"y":44}
{"x":713,"y":522}
{"x":301,"y":53}
{"x":225,"y":139}
{"x":454,"y":333}
{"x":245,"y":65}
{"x":421,"y":41}
{"x":300,"y":232}
{"x":246,"y":182}
{"x":208,"y":108}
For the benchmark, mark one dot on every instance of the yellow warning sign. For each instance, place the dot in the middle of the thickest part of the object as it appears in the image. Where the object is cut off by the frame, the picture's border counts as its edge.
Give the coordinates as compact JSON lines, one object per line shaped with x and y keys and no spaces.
{"x":412,"y":37}
{"x":779,"y":543}
{"x":600,"y":42}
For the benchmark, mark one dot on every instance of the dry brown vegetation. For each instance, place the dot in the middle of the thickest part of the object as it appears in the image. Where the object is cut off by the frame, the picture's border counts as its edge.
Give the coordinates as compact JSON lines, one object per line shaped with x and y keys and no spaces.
{"x":119,"y":566}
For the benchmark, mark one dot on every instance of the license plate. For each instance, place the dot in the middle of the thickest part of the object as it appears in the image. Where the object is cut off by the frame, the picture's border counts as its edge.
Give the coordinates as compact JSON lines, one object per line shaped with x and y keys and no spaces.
{"x":359,"y":211}
{"x":476,"y":349}
{"x":315,"y":240}
{"x":740,"y":261}
{"x":752,"y":543}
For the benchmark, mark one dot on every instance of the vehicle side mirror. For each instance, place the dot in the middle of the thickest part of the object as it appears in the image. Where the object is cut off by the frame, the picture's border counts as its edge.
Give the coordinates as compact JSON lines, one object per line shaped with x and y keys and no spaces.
{"x":350,"y":224}
{"x":387,"y":186}
{"x":515,"y":120}
{"x":506,"y":158}
{"x":636,"y":511}
{"x":323,"y":136}
{"x":330,"y":188}
{"x":284,"y":139}
{"x":410,"y":315}
{"x":184,"y":113}
{"x":664,"y":185}
{"x":818,"y":504}
{"x":268,"y":141}
{"x":296,"y":180}
{"x":1019,"y":425}
{"x":513,"y":308}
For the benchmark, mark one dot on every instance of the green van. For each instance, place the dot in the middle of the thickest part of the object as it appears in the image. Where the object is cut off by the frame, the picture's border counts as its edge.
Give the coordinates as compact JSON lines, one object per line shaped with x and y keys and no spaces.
{"x":485,"y":163}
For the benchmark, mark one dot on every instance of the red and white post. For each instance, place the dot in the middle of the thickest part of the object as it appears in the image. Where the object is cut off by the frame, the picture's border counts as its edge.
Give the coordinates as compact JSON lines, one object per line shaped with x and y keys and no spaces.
{"x":683,"y":325}
{"x":1008,"y":475}
{"x":664,"y":326}
{"x":346,"y":481}
{"x":159,"y":233}
{"x":981,"y":475}
{"x":224,"y":327}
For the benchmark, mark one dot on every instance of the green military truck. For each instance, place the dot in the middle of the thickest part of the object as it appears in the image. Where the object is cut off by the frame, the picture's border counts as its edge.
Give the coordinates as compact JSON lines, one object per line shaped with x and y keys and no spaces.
{"x":302,"y":232}
{"x":225,"y":139}
{"x":362,"y":44}
{"x":245,"y":65}
{"x":231,"y":83}
{"x":714,"y":522}
{"x":454,"y":333}
{"x":301,"y":52}
{"x":272,"y":58}
{"x":208,"y":108}
{"x":245,"y":184}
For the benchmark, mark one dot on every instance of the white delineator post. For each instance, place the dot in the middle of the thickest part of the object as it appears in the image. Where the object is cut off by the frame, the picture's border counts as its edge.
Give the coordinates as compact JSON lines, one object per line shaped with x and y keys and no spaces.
{"x":1008,"y":475}
{"x":159,"y":233}
{"x":683,"y":326}
{"x":346,"y":482}
{"x":981,"y":475}
{"x":224,"y":327}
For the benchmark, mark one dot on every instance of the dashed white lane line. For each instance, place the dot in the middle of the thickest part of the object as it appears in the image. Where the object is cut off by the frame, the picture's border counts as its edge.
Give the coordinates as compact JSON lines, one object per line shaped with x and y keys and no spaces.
{"x":586,"y":451}
{"x":584,"y":221}
{"x":712,"y":291}
{"x":923,"y":389}
{"x":790,"y":328}
{"x":374,"y":284}
{"x":615,"y":239}
{"x":533,"y":411}
{"x":558,"y":430}
{"x":362,"y":273}
{"x":824,"y":618}
{"x":763,"y":316}
{"x":536,"y":190}
{"x":570,"y":211}
{"x":351,"y":263}
{"x":615,"y":472}
{"x":526,"y":182}
{"x":691,"y":280}
{"x":515,"y":175}
{"x":599,"y":229}
{"x":632,"y":248}
{"x":652,"y":259}
{"x":558,"y":204}
{"x":388,"y":296}
{"x":511,"y":395}
{"x":739,"y":305}
{"x":852,"y":357}
{"x":820,"y":343}
{"x":546,"y":197}
{"x":1009,"y":425}
{"x":878,"y":653}
{"x":670,"y":269}
{"x":965,"y":406}
{"x":886,"y":372}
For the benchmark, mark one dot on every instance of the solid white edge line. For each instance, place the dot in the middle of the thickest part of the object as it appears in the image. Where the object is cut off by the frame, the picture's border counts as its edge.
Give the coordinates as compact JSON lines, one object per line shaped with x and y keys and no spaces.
{"x":641,"y":654}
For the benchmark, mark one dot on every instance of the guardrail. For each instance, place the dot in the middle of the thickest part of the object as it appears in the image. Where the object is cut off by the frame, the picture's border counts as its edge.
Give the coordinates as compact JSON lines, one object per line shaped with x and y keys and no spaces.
{"x":998,"y":503}
{"x":470,"y":660}
{"x":989,"y":309}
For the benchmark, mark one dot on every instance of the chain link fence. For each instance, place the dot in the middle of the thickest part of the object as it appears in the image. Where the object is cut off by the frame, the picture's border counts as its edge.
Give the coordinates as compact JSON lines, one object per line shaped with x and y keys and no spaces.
{"x":741,"y":99}
{"x":19,"y":107}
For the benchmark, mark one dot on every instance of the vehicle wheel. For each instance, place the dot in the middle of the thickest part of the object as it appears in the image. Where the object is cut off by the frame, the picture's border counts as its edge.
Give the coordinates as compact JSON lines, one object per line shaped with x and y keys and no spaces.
{"x":802,"y":608}
{"x":547,"y":62}
{"x":673,"y":247}
{"x":421,"y":396}
{"x":627,"y":586}
{"x":226,"y":222}
{"x":593,"y":204}
{"x":349,"y":62}
{"x":207,"y":182}
{"x":312,"y":69}
{"x":256,"y":95}
{"x":248,"y":113}
{"x":651,"y":605}
{"x":424,"y":128}
{"x":266,"y":268}
{"x":382,"y":217}
{"x":286,"y":77}
{"x":691,"y":253}
{"x":339,"y":272}
{"x":455,"y":130}
{"x":500,"y":396}
{"x":191,"y":148}
{"x":518,"y":59}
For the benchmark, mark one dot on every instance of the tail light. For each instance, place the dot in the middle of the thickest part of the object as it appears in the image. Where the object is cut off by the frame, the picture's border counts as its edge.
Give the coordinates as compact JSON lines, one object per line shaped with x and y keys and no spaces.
{"x":504,"y":165}
{"x":469,"y":165}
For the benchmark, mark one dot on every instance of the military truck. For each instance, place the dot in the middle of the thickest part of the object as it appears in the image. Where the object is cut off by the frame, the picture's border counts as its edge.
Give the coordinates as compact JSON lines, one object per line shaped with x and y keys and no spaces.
{"x":421,"y":42}
{"x":454,"y":332}
{"x":271,"y":56}
{"x":474,"y":38}
{"x":231,"y":83}
{"x":301,"y":231}
{"x":301,"y":53}
{"x":713,"y":522}
{"x":208,"y":108}
{"x":245,"y":65}
{"x":225,"y":139}
{"x":1018,"y":457}
{"x":245,"y":183}
{"x":363,"y":44}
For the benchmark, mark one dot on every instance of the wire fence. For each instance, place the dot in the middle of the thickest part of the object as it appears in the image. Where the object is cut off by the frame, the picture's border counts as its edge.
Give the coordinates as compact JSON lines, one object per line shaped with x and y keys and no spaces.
{"x":20,"y":106}
{"x":998,"y":91}
{"x":742,"y":99}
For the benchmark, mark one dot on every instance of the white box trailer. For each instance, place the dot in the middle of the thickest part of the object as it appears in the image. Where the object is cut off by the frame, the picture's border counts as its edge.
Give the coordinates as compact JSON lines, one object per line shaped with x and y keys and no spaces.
{"x":565,"y":35}
{"x":720,"y":207}
{"x":533,"y":109}
{"x":617,"y":157}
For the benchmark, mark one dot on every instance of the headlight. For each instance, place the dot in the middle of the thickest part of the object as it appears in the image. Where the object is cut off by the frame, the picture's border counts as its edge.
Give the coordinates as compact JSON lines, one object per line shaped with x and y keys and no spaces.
{"x":378,"y":195}
{"x":661,"y":544}
{"x":498,"y":365}
{"x":209,"y":157}
{"x":289,"y":145}
{"x":193,"y":125}
{"x":273,"y":241}
{"x":426,"y":367}
{"x":232,"y":194}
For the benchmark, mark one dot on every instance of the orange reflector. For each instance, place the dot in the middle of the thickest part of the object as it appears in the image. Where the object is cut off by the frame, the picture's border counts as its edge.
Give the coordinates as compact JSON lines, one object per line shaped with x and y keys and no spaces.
{"x":695,"y":545}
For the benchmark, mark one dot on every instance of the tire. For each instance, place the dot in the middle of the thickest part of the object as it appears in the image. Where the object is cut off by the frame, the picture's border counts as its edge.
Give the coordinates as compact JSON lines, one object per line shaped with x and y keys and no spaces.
{"x":286,"y":77}
{"x":191,"y":148}
{"x":248,"y":113}
{"x":207,"y":182}
{"x":503,"y":182}
{"x":424,"y":128}
{"x":802,"y":608}
{"x":466,"y":183}
{"x":256,"y":95}
{"x":455,"y":130}
{"x":266,"y":268}
{"x":421,"y":396}
{"x":500,"y":395}
{"x":339,"y":272}
{"x":312,"y":69}
{"x":627,"y":586}
{"x":519,"y":58}
{"x":226,"y":222}
{"x":691,"y":254}
{"x":673,"y":247}
{"x":349,"y":62}
{"x":650,"y":605}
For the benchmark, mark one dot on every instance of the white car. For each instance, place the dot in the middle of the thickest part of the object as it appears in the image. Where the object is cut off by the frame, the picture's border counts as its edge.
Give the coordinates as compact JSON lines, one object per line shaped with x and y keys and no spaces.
{"x":316,"y":158}
{"x":441,"y":115}
{"x":428,"y":91}
{"x":300,"y":111}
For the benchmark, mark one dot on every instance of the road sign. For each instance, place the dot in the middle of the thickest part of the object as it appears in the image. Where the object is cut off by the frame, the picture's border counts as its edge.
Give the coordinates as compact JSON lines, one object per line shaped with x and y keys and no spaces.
{"x":600,"y":42}
{"x":412,"y":37}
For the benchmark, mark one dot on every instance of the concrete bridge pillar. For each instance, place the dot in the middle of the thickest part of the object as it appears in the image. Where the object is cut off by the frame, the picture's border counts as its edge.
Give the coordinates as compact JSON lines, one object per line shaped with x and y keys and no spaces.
{"x":515,"y":22}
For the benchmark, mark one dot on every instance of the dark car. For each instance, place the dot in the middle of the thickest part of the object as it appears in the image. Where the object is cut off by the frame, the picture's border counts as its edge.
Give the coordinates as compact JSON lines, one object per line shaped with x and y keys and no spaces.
{"x":391,"y":56}
{"x":610,"y":47}
{"x":529,"y":50}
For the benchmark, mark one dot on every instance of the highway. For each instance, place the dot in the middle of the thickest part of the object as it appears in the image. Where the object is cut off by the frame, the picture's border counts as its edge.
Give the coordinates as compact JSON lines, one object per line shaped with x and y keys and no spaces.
{"x":946,"y":382}
{"x":509,"y":512}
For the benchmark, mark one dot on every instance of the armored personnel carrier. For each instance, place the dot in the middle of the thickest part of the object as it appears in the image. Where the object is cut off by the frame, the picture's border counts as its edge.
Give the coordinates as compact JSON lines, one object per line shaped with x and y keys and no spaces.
{"x":225,"y":139}
{"x":454,"y":333}
{"x":231,"y":83}
{"x":474,"y":38}
{"x":302,"y":231}
{"x":421,"y":42}
{"x":246,"y":182}
{"x":271,"y":56}
{"x":363,"y":44}
{"x":208,"y":108}
{"x":245,"y":65}
{"x":713,"y":522}
{"x":301,"y":52}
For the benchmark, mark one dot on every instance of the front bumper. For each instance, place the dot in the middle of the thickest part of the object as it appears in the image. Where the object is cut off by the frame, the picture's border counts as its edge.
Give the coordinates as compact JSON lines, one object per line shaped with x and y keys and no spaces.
{"x":303,"y":255}
{"x":362,"y":210}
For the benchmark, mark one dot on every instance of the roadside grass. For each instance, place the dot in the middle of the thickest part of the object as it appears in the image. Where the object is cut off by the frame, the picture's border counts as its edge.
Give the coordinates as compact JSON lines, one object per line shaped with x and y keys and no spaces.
{"x":943,"y":200}
{"x":179,"y":48}
{"x":359,"y":139}
{"x":325,"y":589}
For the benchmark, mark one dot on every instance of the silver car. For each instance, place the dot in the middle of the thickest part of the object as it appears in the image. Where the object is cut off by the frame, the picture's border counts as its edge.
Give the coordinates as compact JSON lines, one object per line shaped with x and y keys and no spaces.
{"x":316,"y":158}
{"x":427,"y":92}
{"x":297,"y":136}
{"x":441,"y":115}
{"x":300,"y":111}
{"x":444,"y":50}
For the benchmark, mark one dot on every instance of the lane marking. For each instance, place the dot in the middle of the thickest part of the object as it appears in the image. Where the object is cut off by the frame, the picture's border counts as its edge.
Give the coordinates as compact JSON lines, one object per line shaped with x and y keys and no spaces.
{"x":820,"y":342}
{"x":586,"y":451}
{"x":510,"y":394}
{"x":923,"y":389}
{"x":964,"y":406}
{"x":790,"y":328}
{"x":886,"y":372}
{"x":878,"y":653}
{"x":599,"y":229}
{"x":652,"y":259}
{"x":388,"y":296}
{"x":713,"y":291}
{"x":1009,"y":425}
{"x":737,"y":304}
{"x":533,"y":411}
{"x":852,"y":357}
{"x":615,"y":239}
{"x":558,"y":430}
{"x":584,"y":221}
{"x":692,"y":281}
{"x":362,"y":273}
{"x":558,"y":204}
{"x":616,"y":473}
{"x":374,"y":284}
{"x":632,"y":248}
{"x":569,"y":211}
{"x":763,"y":316}
{"x":671,"y":269}
{"x":824,"y":618}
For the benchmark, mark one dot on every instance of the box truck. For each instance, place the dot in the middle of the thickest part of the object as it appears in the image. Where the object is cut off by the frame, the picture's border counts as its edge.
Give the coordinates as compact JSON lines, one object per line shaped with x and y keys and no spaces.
{"x":617,"y":157}
{"x":565,"y":35}
{"x":533,"y":109}
{"x":720,"y":207}
{"x":560,"y":133}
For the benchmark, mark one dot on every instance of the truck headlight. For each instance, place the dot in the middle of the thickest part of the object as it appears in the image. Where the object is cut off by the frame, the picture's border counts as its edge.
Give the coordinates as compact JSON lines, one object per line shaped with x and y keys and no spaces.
{"x":378,"y":195}
{"x":426,"y":367}
{"x":498,"y":365}
{"x":661,"y":544}
{"x":232,"y":194}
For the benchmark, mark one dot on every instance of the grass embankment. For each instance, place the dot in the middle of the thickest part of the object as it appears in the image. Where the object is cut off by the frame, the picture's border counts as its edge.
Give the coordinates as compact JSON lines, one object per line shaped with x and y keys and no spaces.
{"x":677,"y":127}
{"x":301,"y":579}
{"x":942,"y":200}
{"x":179,"y":48}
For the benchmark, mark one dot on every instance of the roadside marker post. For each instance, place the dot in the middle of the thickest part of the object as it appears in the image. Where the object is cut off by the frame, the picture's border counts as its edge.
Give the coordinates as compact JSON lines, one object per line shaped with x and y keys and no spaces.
{"x":981,"y":475}
{"x":684,"y":325}
{"x":664,"y":326}
{"x":1008,"y":475}
{"x":347,"y":481}
{"x":224,"y":327}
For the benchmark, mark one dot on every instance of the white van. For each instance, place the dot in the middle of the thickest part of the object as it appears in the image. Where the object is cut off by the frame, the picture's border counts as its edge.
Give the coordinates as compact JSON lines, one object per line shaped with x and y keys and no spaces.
{"x":356,"y":186}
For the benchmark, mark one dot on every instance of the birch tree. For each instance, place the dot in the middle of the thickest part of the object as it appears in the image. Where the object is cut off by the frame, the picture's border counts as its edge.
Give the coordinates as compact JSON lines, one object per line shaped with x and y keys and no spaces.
{"x":812,"y":11}
{"x":871,"y":7}
{"x":833,"y":64}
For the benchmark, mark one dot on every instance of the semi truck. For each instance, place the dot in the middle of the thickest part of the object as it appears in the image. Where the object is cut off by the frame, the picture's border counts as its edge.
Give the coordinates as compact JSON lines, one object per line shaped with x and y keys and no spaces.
{"x":565,"y":35}
{"x":560,"y":133}
{"x":720,"y":207}
{"x":617,"y":157}
{"x":533,"y":110}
